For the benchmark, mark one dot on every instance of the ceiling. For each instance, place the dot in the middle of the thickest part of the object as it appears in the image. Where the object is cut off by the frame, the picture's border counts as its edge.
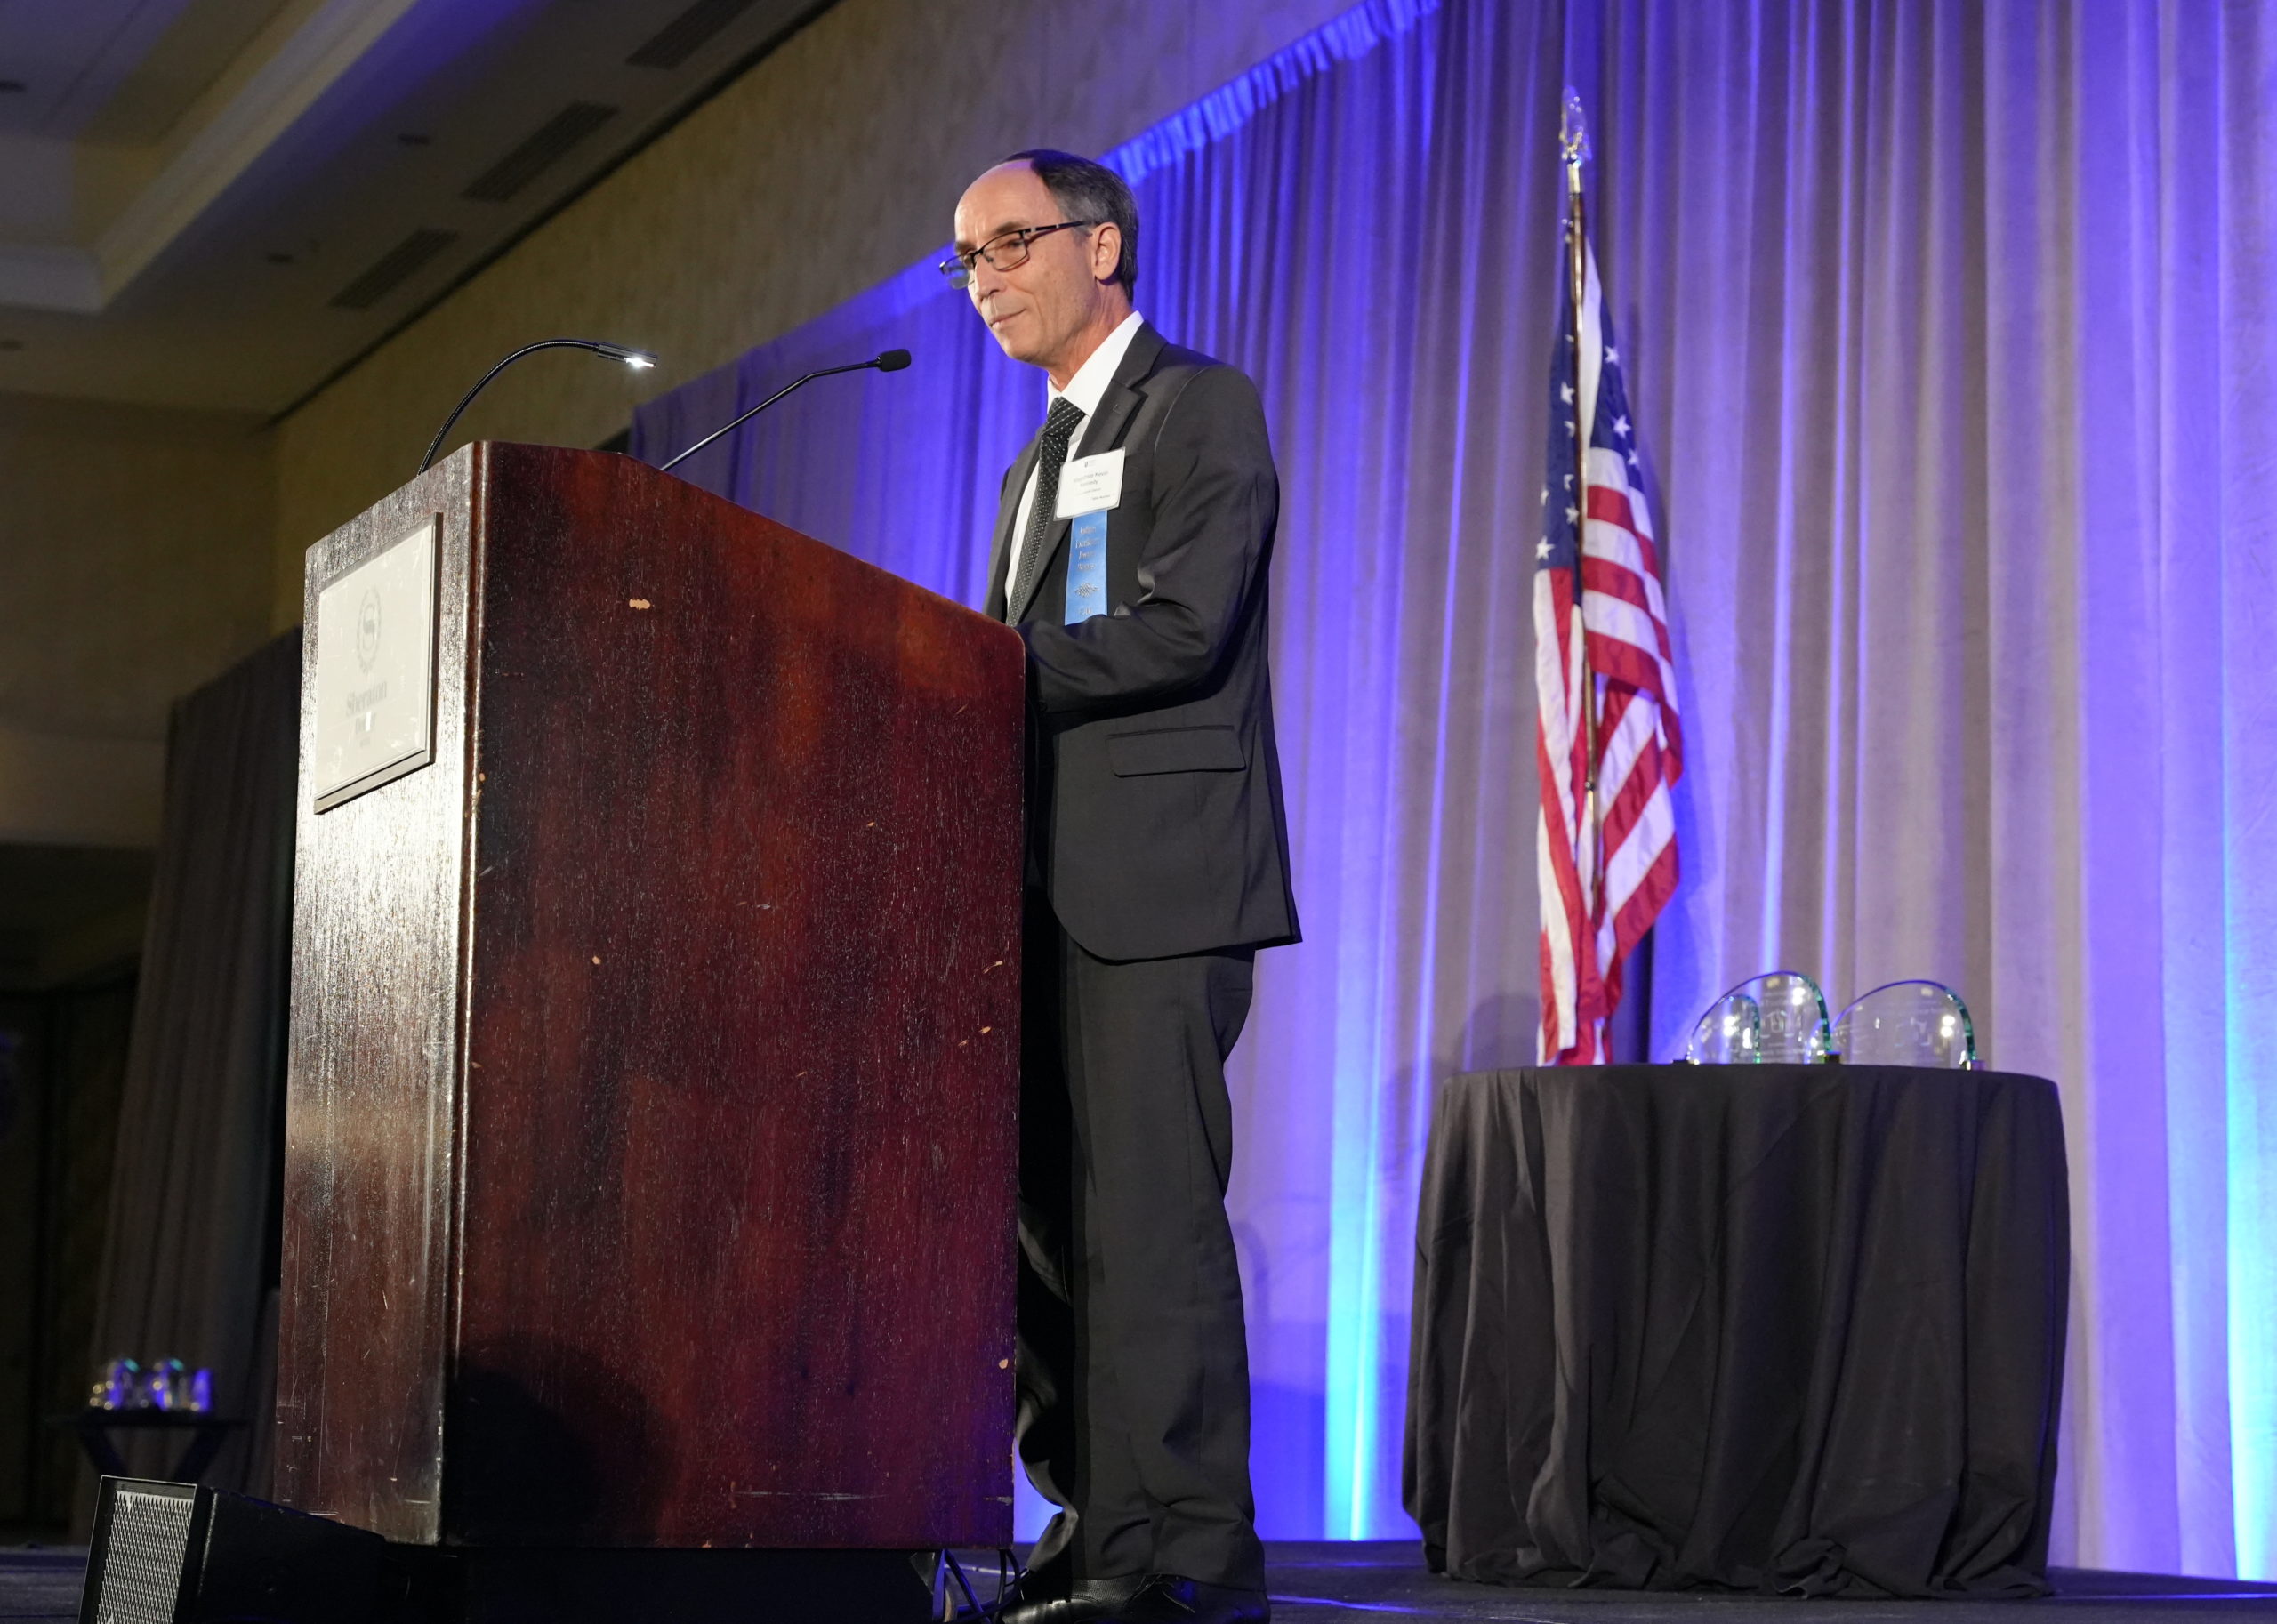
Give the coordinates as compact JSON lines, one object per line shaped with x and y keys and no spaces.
{"x":222,"y":203}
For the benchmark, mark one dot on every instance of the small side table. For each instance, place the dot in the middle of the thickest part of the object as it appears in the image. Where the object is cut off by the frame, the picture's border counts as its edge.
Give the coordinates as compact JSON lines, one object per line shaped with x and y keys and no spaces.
{"x":207,"y":1434}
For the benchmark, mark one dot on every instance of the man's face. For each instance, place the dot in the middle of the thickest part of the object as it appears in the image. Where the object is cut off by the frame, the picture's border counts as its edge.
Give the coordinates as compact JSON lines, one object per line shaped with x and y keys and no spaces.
{"x":1035,"y":309}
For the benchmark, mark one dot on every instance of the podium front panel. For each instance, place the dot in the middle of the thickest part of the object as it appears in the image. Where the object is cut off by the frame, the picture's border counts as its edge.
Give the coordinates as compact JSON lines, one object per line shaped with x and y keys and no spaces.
{"x":688,"y":1049}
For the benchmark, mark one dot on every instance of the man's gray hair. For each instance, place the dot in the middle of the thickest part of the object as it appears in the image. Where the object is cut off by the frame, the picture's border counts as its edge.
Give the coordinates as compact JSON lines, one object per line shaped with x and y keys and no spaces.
{"x":1090,"y":191}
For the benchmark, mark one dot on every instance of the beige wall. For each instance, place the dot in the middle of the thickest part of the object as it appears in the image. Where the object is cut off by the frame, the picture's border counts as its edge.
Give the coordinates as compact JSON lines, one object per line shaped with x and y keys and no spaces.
{"x":829,"y":166}
{"x":136,"y":550}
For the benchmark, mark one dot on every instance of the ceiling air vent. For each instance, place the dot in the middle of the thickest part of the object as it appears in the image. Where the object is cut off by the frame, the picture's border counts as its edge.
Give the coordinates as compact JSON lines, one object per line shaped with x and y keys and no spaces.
{"x":687,"y":34}
{"x":382,"y":276}
{"x":544,"y":147}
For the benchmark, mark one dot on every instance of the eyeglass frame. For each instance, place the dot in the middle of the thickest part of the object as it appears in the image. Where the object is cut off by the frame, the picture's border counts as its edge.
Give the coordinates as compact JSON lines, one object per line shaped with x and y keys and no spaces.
{"x":958,"y":268}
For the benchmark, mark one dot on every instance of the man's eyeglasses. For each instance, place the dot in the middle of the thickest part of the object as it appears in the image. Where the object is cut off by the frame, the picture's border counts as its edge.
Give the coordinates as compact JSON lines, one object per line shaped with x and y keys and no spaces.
{"x":1009,"y":251}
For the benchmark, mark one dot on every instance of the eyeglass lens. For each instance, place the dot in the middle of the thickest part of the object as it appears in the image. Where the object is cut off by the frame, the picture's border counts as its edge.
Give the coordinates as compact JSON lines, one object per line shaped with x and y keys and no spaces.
{"x":1009,"y":251}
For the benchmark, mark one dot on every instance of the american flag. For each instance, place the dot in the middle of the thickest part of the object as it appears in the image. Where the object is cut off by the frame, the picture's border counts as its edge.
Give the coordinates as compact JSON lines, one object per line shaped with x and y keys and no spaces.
{"x":1603,"y":876}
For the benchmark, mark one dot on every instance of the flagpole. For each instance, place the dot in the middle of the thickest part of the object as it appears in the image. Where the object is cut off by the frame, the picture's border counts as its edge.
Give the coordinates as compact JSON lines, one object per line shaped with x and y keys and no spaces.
{"x":1573,"y":141}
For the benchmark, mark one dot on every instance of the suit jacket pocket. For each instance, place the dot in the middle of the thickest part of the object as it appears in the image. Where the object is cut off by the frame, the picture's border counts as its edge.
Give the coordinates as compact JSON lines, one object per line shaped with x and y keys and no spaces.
{"x":1175,"y":750}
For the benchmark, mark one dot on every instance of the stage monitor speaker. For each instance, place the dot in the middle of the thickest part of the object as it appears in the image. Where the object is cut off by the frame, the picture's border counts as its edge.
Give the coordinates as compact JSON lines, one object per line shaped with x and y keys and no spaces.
{"x":174,"y":1553}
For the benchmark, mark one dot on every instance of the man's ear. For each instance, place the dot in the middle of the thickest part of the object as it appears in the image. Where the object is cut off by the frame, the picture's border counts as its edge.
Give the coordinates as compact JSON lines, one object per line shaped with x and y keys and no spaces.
{"x":1107,"y":251}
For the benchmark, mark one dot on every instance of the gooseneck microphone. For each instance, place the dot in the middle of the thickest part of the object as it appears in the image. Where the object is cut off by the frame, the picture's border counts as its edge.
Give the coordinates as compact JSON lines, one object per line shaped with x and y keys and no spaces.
{"x":892,"y":360}
{"x":639,"y":360}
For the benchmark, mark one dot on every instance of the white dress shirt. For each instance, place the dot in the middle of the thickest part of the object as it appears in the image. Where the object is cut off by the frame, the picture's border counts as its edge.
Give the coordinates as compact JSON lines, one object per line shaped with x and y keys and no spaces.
{"x":1083,"y":392}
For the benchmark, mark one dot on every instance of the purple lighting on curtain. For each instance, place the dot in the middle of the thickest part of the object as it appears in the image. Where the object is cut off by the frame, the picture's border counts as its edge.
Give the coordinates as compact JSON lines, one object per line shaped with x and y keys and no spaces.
{"x":1954,"y":335}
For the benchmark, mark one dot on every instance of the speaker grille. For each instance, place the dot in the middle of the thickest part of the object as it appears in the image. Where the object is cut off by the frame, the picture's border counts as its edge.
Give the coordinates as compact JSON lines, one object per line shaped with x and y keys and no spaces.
{"x":142,"y":1559}
{"x":381,"y":277}
{"x":687,"y":34}
{"x":539,"y":151}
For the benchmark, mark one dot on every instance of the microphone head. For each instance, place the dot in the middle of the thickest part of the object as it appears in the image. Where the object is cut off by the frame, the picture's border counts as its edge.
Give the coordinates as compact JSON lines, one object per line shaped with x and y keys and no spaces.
{"x":640,"y":360}
{"x":892,"y":360}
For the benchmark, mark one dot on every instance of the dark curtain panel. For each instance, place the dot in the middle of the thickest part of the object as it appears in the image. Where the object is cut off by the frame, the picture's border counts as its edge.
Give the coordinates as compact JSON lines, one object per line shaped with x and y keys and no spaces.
{"x":190,"y":1264}
{"x":55,"y":1181}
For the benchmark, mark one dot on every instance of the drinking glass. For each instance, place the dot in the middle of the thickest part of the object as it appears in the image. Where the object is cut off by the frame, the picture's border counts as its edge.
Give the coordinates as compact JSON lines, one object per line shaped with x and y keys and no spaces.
{"x":118,"y":1385}
{"x":169,"y":1384}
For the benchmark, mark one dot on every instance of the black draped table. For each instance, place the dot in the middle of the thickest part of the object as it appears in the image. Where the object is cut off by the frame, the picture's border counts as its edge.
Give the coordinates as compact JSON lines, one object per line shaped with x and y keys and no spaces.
{"x":1777,"y":1328}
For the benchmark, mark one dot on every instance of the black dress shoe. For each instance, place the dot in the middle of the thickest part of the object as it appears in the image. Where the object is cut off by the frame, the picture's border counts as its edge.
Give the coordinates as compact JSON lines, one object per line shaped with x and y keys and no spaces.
{"x":1166,"y":1598}
{"x":1093,"y":1598}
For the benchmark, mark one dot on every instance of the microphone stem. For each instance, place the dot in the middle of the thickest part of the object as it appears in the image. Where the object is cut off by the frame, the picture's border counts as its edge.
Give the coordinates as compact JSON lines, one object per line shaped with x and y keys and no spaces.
{"x":739,"y":421}
{"x":467,"y":399}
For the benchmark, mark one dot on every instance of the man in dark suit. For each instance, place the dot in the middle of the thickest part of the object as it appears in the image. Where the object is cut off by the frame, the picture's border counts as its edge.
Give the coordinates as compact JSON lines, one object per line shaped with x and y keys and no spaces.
{"x":1131,"y":551}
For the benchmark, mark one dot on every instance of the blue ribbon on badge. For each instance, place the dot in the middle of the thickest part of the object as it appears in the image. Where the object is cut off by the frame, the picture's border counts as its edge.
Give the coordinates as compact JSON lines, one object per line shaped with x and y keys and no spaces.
{"x":1087,"y":568}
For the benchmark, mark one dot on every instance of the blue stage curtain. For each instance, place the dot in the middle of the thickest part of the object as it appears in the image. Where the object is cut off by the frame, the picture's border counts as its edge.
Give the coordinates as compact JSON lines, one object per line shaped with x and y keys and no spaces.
{"x":1951,"y":332}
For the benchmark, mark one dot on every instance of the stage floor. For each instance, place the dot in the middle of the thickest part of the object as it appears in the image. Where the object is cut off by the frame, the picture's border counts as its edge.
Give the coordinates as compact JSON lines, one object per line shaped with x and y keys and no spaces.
{"x":1385,"y":1583}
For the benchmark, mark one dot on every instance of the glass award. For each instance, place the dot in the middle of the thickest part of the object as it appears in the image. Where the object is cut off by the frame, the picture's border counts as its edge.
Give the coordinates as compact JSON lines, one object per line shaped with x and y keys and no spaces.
{"x":1730,"y":1033}
{"x":1786,"y":1015}
{"x":1795,"y":1029}
{"x":1908,"y":1022}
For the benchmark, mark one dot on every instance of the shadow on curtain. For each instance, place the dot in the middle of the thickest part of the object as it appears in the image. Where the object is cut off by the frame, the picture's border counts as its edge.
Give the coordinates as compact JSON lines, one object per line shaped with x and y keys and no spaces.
{"x":1952,"y":331}
{"x":189,"y":1266}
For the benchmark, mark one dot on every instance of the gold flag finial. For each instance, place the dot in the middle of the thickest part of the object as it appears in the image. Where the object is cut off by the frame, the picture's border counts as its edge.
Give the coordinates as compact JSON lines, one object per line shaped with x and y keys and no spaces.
{"x":1574,"y":131}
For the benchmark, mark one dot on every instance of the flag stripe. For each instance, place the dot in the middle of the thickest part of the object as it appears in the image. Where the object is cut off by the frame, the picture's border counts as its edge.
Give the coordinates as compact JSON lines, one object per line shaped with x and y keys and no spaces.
{"x":1606,"y":861}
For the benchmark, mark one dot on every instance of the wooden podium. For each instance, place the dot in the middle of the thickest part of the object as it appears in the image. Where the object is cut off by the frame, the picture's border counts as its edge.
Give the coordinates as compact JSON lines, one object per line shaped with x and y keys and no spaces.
{"x":656,"y":1029}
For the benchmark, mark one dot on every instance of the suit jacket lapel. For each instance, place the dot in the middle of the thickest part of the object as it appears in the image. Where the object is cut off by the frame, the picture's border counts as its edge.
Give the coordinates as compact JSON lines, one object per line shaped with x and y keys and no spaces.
{"x":1007,"y":509}
{"x":1100,"y":432}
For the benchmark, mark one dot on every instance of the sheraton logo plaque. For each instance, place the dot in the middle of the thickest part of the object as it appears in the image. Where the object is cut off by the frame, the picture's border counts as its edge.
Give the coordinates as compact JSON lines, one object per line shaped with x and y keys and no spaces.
{"x":375,"y":670}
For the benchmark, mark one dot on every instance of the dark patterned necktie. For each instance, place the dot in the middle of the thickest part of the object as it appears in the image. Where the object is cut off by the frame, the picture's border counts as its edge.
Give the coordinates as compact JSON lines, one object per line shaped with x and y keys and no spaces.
{"x":1052,"y":451}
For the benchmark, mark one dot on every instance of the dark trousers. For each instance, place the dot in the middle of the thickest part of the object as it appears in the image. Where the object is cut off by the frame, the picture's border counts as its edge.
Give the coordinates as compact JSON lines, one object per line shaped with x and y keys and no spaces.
{"x":1133,"y":1370}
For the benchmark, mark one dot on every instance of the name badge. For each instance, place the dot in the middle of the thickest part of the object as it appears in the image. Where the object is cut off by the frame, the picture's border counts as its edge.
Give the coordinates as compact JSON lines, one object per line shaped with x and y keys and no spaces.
{"x":1091,"y":485}
{"x":1087,"y":568}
